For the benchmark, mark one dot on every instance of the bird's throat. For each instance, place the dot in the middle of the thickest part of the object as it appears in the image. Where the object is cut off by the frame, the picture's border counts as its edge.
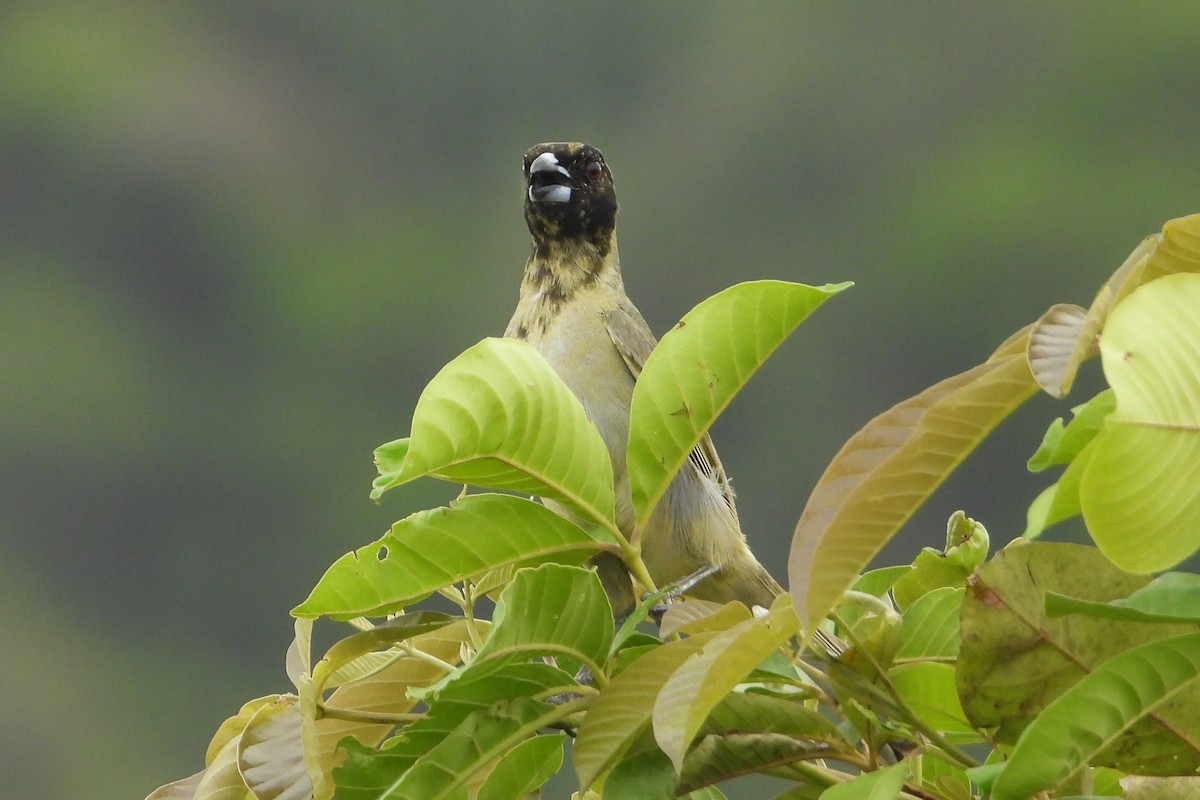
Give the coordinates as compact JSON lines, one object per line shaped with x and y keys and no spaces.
{"x":557,"y":273}
{"x":558,"y":269}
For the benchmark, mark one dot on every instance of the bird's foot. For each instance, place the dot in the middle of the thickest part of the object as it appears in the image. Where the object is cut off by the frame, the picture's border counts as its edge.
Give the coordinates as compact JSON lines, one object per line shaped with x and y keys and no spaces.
{"x":684,"y":584}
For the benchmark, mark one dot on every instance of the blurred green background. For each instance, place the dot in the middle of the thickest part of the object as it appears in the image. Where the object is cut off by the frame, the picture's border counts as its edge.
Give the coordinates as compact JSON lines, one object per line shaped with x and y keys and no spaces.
{"x":237,"y":238}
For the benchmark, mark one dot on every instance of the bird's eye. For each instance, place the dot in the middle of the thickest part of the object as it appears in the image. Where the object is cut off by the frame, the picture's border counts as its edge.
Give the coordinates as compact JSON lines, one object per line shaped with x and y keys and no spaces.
{"x":593,"y":170}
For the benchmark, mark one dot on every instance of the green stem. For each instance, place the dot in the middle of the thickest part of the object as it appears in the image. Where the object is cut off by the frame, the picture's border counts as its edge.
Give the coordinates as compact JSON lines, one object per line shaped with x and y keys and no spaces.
{"x":469,"y":615}
{"x":421,"y":655}
{"x":373,"y":717}
{"x":640,"y":573}
{"x":822,"y":776}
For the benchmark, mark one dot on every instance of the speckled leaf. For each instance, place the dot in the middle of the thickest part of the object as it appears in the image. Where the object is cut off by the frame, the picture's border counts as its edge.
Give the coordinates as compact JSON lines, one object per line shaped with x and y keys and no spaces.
{"x":1014,"y":660}
{"x":750,"y":712}
{"x":1137,"y":787}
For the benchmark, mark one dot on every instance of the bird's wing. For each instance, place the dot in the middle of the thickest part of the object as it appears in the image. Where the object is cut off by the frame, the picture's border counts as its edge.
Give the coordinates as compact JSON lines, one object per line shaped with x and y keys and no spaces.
{"x":632,"y":337}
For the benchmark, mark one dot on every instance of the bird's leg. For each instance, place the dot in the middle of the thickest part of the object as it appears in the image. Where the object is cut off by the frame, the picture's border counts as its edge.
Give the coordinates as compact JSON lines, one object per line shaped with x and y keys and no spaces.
{"x":684,"y":584}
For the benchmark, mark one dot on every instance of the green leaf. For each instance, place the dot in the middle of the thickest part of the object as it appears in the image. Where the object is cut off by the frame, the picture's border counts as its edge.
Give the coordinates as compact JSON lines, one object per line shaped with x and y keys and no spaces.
{"x":753,"y":732}
{"x":622,"y":712}
{"x":1087,"y":722}
{"x":1139,"y":493}
{"x":385,"y":693}
{"x":698,"y":368}
{"x":1172,"y":594}
{"x":647,"y":775}
{"x":887,"y":470}
{"x":477,"y":692}
{"x":551,"y":610}
{"x":1062,"y":443}
{"x":442,"y":546}
{"x":939,"y":775}
{"x":1014,"y":660}
{"x":366,"y":772}
{"x":931,"y":570}
{"x":928,"y":689}
{"x":499,"y":417}
{"x":930,"y":626}
{"x":718,"y":758}
{"x":1060,"y":500}
{"x":1171,"y":597}
{"x":746,"y":712}
{"x":985,"y":774}
{"x":805,"y":790}
{"x":481,"y":738}
{"x":877,"y":581}
{"x":875,"y":629}
{"x":884,"y":784}
{"x":703,"y":681}
{"x":524,"y":768}
{"x":353,"y":647}
{"x":389,"y":461}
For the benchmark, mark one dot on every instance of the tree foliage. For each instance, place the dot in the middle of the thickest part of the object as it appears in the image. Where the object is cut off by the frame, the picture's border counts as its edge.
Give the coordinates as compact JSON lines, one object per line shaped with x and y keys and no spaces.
{"x":1048,"y":669}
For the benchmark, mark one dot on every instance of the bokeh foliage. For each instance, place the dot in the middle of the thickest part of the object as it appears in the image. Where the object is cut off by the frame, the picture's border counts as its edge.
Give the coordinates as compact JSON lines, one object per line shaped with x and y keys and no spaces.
{"x":236,"y":239}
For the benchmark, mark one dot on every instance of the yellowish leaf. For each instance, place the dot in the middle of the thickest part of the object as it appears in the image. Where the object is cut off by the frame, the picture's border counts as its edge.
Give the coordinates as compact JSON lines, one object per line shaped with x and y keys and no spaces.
{"x":888,"y":469}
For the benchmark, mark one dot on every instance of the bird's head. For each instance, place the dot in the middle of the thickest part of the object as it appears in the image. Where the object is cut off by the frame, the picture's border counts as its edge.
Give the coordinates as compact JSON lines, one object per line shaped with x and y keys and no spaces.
{"x":569,"y":195}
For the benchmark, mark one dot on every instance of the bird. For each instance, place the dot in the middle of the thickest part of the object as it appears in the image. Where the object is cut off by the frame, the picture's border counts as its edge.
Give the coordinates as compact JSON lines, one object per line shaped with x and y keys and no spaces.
{"x":574,"y":311}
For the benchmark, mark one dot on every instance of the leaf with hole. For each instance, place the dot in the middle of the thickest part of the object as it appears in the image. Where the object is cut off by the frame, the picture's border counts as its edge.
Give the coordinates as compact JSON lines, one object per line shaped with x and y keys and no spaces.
{"x":442,"y":546}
